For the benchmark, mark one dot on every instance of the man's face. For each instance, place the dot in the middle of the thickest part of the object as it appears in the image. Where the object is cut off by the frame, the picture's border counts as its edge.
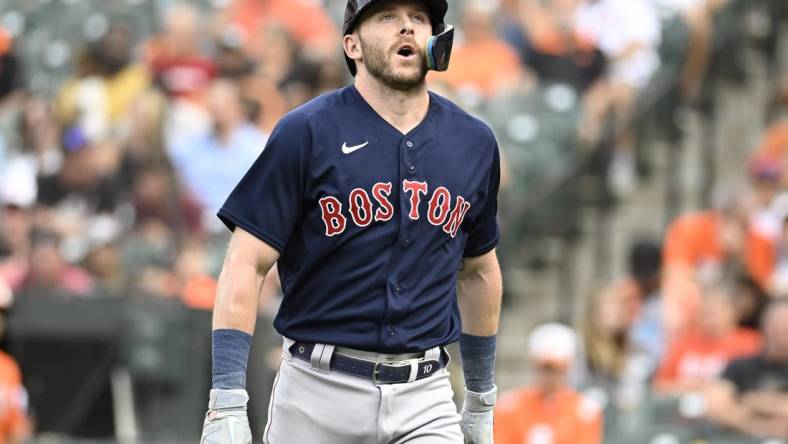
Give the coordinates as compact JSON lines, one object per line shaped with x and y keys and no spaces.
{"x":392,"y":39}
{"x":550,"y":376}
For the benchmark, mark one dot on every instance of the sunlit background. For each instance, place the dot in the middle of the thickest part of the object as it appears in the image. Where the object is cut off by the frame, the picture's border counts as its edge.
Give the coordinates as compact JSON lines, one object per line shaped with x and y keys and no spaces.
{"x":644,"y":147}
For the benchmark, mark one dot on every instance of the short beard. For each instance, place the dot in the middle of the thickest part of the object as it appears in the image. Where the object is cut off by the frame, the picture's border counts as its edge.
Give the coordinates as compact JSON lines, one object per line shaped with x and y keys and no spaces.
{"x":380,"y":67}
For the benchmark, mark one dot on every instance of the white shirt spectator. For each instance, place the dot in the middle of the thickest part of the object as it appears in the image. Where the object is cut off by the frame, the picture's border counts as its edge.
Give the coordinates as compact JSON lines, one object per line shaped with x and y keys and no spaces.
{"x":628,"y":33}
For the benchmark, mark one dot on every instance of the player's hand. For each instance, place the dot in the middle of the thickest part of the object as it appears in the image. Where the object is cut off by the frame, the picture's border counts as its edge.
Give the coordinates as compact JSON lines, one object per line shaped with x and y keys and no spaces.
{"x":477,"y":416}
{"x":226,"y":421}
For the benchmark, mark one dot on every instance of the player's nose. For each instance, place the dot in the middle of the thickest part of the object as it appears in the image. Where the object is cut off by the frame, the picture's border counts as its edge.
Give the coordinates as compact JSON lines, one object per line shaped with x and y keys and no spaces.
{"x":407,"y":27}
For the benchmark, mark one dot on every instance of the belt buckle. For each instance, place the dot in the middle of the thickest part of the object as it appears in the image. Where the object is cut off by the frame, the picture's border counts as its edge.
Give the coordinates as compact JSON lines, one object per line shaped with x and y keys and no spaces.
{"x":412,"y":363}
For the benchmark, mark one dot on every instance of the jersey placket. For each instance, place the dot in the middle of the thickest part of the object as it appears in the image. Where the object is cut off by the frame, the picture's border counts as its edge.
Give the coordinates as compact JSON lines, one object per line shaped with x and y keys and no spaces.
{"x":398,"y":300}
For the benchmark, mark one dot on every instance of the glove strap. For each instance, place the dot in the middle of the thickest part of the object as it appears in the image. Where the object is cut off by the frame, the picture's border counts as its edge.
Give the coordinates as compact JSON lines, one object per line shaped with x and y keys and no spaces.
{"x":480,"y":402}
{"x":222,"y":399}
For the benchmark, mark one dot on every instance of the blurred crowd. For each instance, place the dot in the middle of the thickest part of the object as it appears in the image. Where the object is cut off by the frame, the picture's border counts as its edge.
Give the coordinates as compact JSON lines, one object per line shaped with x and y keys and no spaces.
{"x":109,"y":188}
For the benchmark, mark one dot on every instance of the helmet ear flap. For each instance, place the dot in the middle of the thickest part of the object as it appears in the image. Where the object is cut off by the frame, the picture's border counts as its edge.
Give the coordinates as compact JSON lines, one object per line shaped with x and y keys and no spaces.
{"x":438,"y":48}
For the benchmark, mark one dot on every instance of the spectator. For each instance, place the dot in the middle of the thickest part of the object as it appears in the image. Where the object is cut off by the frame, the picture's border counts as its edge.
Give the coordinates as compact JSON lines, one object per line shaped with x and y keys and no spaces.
{"x":704,"y":246}
{"x":48,"y":272}
{"x":307,"y":21}
{"x":646,"y":332}
{"x":39,"y":137}
{"x":234,"y":144}
{"x":280,"y":56}
{"x":198,"y":288}
{"x":606,"y":336}
{"x":694,"y":359}
{"x":80,"y":191}
{"x":751,"y":396}
{"x":144,"y":145}
{"x":548,"y":411}
{"x":100,"y":96}
{"x":283,"y":79}
{"x":551,"y":46}
{"x":182,"y":71}
{"x":29,"y":151}
{"x":699,"y":17}
{"x":15,"y":427}
{"x":155,"y":194}
{"x":231,"y":60}
{"x":479,"y":50}
{"x":175,"y":56}
{"x":17,"y":195}
{"x":612,"y":362}
{"x":628,"y":33}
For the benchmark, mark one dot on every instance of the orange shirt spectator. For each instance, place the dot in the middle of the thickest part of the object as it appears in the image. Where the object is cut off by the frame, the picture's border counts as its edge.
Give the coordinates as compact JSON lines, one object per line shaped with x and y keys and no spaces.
{"x":483,"y":61}
{"x":306,"y":20}
{"x":697,"y":359}
{"x":486,"y":66}
{"x":700,"y":355}
{"x":698,"y":245}
{"x":548,"y":411}
{"x":14,"y":426}
{"x":564,"y":417}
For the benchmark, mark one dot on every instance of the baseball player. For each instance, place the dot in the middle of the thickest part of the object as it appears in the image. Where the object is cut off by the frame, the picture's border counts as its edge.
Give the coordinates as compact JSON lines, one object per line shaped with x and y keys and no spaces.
{"x":378,"y":204}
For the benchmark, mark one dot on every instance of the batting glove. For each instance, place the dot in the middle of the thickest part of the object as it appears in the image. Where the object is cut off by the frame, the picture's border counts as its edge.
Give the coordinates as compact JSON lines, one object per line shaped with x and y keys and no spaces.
{"x":226,"y":421}
{"x":477,"y":416}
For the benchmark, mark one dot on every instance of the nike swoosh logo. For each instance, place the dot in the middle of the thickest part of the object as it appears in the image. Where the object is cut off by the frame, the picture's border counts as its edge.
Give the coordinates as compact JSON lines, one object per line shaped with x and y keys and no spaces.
{"x":349,"y":149}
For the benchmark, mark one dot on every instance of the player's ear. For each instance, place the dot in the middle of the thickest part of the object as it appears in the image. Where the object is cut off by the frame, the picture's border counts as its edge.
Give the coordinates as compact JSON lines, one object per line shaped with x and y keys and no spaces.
{"x":352,"y":46}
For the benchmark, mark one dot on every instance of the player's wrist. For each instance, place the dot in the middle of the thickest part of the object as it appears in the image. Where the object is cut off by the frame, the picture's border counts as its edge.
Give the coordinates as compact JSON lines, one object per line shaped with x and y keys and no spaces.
{"x":478,"y":362}
{"x":230,"y":354}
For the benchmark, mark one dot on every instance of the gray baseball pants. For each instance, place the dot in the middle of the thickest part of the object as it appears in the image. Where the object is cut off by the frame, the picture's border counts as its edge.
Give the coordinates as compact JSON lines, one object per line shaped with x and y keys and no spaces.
{"x":311,"y":405}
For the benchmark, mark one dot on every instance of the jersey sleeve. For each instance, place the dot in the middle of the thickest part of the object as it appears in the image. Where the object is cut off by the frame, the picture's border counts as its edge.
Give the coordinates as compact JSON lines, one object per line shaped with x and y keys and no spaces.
{"x":267,"y":202}
{"x":483,"y":231}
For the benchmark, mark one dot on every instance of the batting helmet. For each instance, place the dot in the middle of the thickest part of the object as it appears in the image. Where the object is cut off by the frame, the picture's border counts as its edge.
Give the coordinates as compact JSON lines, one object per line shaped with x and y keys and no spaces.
{"x":438,"y":48}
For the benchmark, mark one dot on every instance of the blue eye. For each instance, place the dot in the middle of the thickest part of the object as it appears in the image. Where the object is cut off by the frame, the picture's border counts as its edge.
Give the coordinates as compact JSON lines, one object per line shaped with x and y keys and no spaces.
{"x":419,"y":18}
{"x":387,"y":17}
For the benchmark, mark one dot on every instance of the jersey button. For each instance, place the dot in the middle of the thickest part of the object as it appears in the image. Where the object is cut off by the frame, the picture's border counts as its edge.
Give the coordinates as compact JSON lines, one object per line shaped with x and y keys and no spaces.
{"x":409,"y":144}
{"x":396,"y":289}
{"x":411,"y":168}
{"x":391,"y":332}
{"x":406,"y":241}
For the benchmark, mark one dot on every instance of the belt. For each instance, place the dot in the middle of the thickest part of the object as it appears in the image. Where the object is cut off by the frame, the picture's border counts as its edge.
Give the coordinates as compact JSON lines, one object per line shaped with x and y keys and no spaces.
{"x":395,"y":372}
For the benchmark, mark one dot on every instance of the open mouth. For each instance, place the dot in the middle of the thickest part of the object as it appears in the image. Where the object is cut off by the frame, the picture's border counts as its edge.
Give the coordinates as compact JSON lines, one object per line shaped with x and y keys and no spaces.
{"x":406,"y":51}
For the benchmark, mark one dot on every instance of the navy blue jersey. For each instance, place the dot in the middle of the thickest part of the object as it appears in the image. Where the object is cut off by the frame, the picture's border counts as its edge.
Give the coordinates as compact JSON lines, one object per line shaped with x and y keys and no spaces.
{"x":371,"y":224}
